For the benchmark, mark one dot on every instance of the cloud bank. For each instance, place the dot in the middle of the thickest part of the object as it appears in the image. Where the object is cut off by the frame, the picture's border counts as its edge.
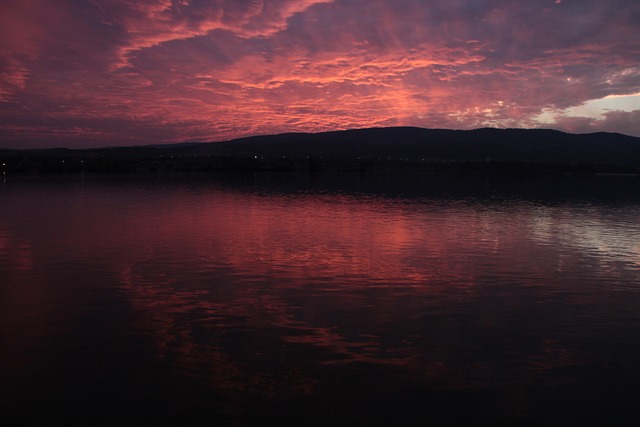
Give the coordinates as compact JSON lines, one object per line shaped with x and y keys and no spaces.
{"x":118,"y":72}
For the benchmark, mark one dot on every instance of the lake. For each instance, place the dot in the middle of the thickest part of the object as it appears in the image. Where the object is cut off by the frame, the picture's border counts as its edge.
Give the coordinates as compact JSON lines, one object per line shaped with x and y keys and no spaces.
{"x":297,"y":299}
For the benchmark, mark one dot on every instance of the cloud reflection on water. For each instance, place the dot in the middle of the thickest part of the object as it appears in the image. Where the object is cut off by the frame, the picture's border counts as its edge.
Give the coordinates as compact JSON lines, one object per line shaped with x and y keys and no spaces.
{"x":289,"y":295}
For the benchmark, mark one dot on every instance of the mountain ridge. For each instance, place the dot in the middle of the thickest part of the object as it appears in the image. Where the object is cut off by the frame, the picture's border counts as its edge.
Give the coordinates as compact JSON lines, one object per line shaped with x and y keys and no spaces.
{"x":363,"y":146}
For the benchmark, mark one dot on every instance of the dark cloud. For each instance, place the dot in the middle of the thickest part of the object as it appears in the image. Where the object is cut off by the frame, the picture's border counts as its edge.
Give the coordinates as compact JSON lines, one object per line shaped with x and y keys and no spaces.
{"x":613,"y":121}
{"x":151,"y":71}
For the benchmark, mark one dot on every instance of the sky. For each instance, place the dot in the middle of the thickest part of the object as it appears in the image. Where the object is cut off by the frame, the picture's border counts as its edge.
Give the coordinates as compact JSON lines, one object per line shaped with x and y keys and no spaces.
{"x":93,"y":73}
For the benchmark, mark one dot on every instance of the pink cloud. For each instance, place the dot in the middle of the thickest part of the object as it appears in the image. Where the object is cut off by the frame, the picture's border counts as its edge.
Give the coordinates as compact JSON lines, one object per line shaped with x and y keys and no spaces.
{"x":627,"y":122}
{"x":153,"y":22}
{"x":167,"y":71}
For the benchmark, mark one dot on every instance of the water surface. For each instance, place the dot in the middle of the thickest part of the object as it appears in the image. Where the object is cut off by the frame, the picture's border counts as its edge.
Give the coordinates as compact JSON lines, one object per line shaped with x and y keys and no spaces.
{"x":317,"y":300}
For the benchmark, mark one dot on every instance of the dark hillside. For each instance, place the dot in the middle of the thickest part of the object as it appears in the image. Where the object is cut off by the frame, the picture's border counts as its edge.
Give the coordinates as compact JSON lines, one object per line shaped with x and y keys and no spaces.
{"x":399,"y":147}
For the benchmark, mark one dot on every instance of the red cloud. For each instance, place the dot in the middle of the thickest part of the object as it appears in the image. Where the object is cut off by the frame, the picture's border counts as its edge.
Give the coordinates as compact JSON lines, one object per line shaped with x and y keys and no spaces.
{"x":167,"y":71}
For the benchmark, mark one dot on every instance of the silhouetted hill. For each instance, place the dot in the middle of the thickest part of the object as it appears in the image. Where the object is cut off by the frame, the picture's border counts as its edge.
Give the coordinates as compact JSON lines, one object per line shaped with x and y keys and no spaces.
{"x":363,"y":148}
{"x":545,"y":146}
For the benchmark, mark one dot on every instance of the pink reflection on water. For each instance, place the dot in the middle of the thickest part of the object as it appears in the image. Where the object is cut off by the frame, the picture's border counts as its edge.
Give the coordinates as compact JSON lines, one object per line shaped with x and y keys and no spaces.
{"x":286,"y":296}
{"x":252,"y":292}
{"x":300,"y":269}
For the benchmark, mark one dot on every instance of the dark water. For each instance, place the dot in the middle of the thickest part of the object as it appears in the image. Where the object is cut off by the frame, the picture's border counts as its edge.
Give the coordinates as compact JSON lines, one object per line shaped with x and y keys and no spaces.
{"x":321,"y":300}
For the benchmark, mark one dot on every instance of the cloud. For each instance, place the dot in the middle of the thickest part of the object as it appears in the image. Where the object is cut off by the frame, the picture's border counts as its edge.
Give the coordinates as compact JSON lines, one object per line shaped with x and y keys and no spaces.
{"x":152,"y":23}
{"x":626,"y":122}
{"x":218,"y":69}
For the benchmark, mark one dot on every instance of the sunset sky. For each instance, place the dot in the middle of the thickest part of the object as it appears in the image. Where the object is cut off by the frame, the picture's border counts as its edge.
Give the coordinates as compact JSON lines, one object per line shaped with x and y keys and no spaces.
{"x":88,"y":73}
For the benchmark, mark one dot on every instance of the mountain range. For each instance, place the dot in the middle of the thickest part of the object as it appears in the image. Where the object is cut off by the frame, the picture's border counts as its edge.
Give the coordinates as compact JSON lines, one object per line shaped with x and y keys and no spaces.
{"x":395,"y":146}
